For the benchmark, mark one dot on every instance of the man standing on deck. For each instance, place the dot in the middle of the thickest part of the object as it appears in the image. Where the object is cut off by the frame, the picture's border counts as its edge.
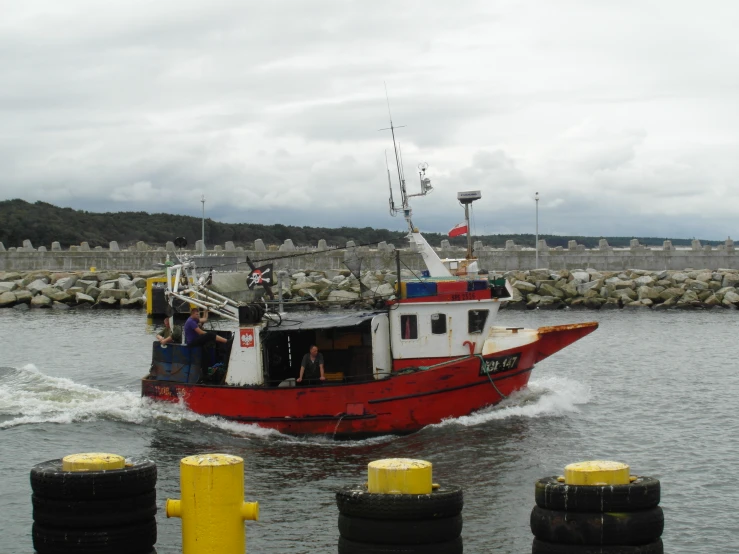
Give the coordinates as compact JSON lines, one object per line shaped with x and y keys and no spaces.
{"x":312,"y":366}
{"x":194,"y":335}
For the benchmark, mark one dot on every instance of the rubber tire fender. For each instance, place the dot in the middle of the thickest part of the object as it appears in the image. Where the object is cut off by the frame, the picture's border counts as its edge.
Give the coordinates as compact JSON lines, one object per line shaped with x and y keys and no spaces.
{"x":128,"y":539}
{"x":541,"y":547}
{"x":356,"y":501}
{"x":71,"y":514}
{"x":641,"y":494}
{"x":50,"y":481}
{"x":412,"y":531}
{"x":347,"y":546}
{"x":607,"y":528}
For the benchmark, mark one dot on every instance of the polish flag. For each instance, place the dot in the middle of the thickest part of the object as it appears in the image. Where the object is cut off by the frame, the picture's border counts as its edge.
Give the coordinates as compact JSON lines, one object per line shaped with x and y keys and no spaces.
{"x":459,"y":229}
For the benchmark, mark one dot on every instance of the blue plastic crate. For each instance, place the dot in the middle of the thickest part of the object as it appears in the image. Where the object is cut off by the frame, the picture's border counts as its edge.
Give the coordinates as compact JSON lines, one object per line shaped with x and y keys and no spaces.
{"x":477,"y":285}
{"x":416,"y":289}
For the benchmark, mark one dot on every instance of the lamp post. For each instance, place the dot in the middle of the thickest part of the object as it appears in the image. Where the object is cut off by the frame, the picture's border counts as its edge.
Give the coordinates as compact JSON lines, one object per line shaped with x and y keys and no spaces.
{"x":537,"y":230}
{"x":202,"y":243}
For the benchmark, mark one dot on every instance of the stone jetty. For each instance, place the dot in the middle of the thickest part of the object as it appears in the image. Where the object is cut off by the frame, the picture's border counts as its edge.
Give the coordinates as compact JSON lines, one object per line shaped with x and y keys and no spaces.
{"x":64,"y":290}
{"x":541,"y":288}
{"x":630,"y":289}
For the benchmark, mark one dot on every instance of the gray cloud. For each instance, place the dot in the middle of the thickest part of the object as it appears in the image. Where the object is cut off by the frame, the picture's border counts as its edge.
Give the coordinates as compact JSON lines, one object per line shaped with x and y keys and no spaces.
{"x":622,"y":116}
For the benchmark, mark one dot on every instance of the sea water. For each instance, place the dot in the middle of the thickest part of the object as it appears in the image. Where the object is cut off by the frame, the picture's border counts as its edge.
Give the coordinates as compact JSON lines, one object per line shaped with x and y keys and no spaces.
{"x":657,"y":390}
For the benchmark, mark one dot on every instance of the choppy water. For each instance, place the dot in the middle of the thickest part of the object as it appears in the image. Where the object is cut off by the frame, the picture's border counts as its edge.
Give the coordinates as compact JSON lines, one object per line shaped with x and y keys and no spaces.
{"x":655,"y":390}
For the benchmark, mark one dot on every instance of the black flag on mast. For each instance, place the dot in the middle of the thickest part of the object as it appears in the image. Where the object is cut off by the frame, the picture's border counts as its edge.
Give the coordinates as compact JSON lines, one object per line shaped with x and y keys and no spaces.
{"x":260,"y":276}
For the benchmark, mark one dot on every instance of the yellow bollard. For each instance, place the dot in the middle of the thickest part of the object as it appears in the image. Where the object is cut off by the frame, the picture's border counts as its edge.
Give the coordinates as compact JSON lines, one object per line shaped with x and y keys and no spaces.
{"x":212,"y":507}
{"x":92,"y":461}
{"x":399,"y":476}
{"x":598,"y":472}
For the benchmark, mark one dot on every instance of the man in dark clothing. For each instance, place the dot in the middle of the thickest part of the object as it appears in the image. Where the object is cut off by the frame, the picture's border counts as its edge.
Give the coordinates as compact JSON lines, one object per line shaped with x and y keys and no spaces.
{"x":194,"y":335}
{"x":312,"y":366}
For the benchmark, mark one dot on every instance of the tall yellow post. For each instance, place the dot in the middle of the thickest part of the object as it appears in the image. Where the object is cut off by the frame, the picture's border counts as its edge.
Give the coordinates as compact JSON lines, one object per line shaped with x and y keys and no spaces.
{"x":212,"y":507}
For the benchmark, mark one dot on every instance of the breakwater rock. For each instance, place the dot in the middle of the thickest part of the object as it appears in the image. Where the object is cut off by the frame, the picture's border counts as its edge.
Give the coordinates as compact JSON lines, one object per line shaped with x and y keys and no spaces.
{"x":540,"y":288}
{"x":630,"y":289}
{"x":63,"y":290}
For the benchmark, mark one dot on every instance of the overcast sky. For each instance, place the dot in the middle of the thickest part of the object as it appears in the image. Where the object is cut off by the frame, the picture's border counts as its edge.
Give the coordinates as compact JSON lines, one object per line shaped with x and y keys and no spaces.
{"x":622,"y":115}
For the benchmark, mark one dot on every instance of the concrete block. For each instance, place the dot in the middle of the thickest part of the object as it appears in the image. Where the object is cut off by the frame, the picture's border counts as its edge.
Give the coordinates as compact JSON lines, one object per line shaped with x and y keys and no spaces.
{"x":218,"y":248}
{"x":287,"y":246}
{"x":322,"y":245}
{"x":113,"y":246}
{"x":634,"y":243}
{"x":84,"y":247}
{"x":510,"y":245}
{"x":74,"y":248}
{"x":695,"y":244}
{"x":445,"y":244}
{"x":2,"y":247}
{"x":603,"y":244}
{"x":141,"y":246}
{"x":259,"y":246}
{"x":667,"y":245}
{"x":42,"y":249}
{"x":56,"y":247}
{"x":230,"y":247}
{"x":571,"y":245}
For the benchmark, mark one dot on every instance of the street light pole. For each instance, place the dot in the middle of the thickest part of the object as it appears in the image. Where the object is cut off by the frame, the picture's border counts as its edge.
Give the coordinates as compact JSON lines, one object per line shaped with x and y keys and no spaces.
{"x":537,"y":230}
{"x":202,"y":243}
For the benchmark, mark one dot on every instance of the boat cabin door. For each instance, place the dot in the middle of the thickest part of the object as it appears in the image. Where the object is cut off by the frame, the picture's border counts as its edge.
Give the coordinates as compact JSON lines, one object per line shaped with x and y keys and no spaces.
{"x":381,"y":358}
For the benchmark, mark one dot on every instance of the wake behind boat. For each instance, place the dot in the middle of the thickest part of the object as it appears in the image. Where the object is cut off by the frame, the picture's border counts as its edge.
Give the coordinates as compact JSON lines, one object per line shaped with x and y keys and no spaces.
{"x":428,"y":353}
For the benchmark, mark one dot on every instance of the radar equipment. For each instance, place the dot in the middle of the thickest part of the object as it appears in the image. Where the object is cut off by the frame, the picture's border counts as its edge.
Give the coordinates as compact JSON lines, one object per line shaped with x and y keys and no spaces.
{"x":466,"y":198}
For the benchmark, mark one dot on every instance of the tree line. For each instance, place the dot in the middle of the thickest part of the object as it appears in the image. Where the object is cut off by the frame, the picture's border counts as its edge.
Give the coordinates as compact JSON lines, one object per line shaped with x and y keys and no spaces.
{"x":42,"y":223}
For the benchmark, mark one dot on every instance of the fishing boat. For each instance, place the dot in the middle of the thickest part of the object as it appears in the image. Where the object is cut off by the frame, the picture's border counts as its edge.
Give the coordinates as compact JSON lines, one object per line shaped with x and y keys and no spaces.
{"x":428,"y":353}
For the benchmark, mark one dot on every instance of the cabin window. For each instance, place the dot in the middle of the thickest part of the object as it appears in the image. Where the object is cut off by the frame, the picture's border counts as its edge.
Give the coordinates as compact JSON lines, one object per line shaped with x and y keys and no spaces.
{"x":438,"y":324}
{"x":476,"y":321}
{"x":408,"y":327}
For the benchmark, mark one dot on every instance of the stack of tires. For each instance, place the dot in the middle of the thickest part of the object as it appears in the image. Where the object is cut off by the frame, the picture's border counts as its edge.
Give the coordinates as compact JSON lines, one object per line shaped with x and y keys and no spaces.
{"x":597,"y":519}
{"x":101,"y":512}
{"x":371,"y":523}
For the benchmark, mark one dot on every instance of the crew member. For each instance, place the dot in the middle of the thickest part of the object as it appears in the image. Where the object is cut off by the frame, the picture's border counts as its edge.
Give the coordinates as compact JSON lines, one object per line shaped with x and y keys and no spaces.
{"x":168,"y":335}
{"x":312,"y":366}
{"x":194,"y":334}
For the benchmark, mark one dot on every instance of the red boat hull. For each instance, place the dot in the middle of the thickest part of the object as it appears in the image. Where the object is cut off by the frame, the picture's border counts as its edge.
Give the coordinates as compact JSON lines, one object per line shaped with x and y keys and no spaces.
{"x":403,"y":403}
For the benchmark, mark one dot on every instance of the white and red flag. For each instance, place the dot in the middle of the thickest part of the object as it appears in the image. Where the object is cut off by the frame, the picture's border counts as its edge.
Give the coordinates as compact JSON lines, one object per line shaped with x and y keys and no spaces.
{"x":459,"y":229}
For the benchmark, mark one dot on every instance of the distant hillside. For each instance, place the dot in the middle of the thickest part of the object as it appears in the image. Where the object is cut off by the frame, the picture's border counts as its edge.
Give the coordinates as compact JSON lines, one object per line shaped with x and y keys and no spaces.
{"x":43,"y":223}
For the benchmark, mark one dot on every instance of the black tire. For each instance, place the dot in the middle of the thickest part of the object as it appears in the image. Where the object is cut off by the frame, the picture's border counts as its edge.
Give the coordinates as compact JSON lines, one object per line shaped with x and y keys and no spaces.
{"x":541,"y":547}
{"x":411,"y":531}
{"x":50,"y":481}
{"x":608,"y":528}
{"x":351,"y":547}
{"x":90,"y":514}
{"x":129,"y":539}
{"x":642,"y":494}
{"x":355,"y":501}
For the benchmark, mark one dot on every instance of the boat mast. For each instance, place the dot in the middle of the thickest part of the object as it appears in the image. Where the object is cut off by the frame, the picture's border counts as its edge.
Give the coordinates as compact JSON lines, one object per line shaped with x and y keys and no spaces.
{"x":431,"y":259}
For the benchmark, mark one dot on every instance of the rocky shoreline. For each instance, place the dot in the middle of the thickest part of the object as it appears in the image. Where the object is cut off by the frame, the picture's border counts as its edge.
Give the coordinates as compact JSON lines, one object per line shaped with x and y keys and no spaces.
{"x":540,"y":288}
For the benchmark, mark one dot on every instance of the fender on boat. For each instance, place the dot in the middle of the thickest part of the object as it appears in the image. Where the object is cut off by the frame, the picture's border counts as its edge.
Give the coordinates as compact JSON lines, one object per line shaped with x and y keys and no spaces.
{"x":555,"y":338}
